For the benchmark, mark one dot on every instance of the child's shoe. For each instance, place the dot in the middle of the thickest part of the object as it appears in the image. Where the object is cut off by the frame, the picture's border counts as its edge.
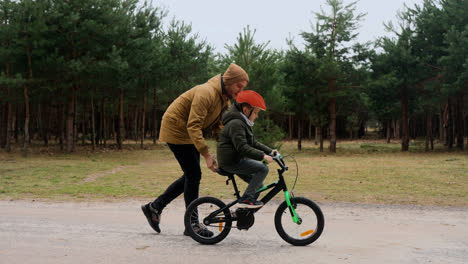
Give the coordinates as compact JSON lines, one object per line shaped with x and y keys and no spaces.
{"x":249,"y":203}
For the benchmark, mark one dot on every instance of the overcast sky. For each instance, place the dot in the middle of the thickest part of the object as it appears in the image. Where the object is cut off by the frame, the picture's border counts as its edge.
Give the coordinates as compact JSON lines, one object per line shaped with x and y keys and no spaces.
{"x":220,"y":22}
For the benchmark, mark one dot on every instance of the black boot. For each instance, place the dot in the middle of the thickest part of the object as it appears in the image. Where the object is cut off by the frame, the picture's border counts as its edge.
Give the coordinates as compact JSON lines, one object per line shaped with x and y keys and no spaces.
{"x":153,"y":216}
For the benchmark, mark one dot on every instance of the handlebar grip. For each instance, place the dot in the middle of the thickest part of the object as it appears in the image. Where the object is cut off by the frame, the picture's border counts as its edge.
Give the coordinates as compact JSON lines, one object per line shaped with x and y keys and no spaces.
{"x":279,"y":159}
{"x":277,"y":156}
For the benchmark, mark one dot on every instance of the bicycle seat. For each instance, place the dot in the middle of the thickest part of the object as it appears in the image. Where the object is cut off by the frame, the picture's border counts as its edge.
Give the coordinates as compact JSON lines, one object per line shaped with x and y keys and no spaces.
{"x":230,"y":178}
{"x":224,"y":173}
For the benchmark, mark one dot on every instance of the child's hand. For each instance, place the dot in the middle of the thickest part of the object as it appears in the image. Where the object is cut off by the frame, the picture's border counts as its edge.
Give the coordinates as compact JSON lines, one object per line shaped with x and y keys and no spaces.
{"x":268,"y":158}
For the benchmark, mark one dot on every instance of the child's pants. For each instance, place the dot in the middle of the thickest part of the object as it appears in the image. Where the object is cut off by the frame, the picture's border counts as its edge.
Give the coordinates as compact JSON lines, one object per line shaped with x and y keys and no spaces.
{"x":251,"y":171}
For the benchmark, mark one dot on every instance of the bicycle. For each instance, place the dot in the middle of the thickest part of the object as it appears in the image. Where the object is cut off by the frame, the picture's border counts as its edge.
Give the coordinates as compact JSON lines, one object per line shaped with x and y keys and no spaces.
{"x":298,"y":220}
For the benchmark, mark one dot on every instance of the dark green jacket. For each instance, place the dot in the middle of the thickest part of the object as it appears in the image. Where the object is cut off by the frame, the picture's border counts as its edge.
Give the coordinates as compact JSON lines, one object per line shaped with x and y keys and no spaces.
{"x":237,"y":140}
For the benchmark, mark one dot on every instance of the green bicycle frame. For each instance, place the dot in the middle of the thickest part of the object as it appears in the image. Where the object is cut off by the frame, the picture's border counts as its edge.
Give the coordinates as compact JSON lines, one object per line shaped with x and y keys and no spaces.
{"x":280,"y":185}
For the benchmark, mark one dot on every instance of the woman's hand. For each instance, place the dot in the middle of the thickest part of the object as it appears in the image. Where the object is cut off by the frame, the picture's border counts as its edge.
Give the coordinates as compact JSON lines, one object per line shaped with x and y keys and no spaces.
{"x":211,"y":162}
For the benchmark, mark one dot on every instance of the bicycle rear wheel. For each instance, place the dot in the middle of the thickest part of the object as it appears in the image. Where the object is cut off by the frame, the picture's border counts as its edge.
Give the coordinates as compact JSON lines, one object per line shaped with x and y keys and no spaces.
{"x":198,"y":211}
{"x":311,"y":223}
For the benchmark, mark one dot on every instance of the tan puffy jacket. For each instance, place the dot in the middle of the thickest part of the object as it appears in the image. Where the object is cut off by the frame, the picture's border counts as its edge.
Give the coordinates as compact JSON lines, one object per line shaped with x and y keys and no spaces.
{"x":194,"y":111}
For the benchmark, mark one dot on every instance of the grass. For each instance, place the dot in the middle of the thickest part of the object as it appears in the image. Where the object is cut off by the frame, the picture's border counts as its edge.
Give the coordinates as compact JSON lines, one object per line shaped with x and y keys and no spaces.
{"x":360,"y":172}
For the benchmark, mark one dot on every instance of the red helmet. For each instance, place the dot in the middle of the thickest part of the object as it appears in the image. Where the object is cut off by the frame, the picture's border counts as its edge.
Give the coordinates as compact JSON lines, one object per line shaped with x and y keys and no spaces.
{"x":252,"y":98}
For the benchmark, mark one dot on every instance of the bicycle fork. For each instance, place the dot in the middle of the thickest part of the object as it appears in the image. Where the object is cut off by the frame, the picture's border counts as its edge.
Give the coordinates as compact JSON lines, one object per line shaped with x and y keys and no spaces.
{"x":295,"y":217}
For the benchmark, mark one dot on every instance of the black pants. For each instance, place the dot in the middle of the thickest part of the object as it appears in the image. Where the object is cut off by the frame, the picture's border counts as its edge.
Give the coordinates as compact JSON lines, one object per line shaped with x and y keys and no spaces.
{"x":189,"y":160}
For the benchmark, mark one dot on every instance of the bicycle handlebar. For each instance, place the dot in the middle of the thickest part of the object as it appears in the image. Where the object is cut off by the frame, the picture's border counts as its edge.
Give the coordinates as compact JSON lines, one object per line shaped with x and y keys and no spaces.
{"x":279,"y":159}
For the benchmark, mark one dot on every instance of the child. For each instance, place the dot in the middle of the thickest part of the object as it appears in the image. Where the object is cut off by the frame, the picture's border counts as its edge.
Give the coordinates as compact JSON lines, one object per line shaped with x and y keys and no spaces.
{"x":238,"y":151}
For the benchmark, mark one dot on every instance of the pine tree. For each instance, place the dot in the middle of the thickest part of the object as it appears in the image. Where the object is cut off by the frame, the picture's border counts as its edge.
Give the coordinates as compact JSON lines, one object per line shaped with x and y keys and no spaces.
{"x":329,"y":41}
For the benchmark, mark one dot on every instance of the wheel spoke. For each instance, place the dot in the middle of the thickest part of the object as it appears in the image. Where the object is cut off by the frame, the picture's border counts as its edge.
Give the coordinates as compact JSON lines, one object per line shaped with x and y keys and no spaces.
{"x":199,"y":210}
{"x":299,"y":233}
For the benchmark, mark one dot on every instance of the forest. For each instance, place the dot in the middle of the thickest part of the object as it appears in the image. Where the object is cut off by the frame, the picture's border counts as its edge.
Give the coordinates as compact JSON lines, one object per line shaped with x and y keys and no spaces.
{"x":102,"y":72}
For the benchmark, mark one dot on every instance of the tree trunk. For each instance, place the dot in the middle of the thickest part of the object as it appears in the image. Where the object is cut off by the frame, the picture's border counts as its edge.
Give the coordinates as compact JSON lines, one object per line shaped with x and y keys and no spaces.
{"x":40,"y":127}
{"x":69,"y":124}
{"x":75,"y":122}
{"x":432,"y":134}
{"x":404,"y":124}
{"x":114,"y":133}
{"x":45,"y":124}
{"x":15,"y":123}
{"x":9,"y":107}
{"x":127,"y":124}
{"x":449,"y":125}
{"x":299,"y":133}
{"x":442,"y":136}
{"x":290,"y":126}
{"x":465,"y":125}
{"x":84,"y":129}
{"x":26,"y":96}
{"x":3,"y":121}
{"x":410,"y":128}
{"x":9,"y":127}
{"x":49,"y":122}
{"x":459,"y":122}
{"x":332,"y":118}
{"x":99,"y":130}
{"x":143,"y":117}
{"x":428,"y":131}
{"x":135,"y":124}
{"x":310,"y":128}
{"x":396,"y":129}
{"x":389,"y":128}
{"x":155,"y":124}
{"x":321,"y":138}
{"x":103,"y":121}
{"x":317,"y":132}
{"x":63,"y":116}
{"x":26,"y":121}
{"x":121,"y":130}
{"x":59,"y":131}
{"x":93,"y":125}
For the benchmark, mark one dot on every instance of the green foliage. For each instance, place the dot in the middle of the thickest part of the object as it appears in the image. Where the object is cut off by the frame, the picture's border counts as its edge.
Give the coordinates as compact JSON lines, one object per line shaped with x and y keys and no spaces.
{"x":93,"y":49}
{"x":455,"y":46}
{"x":329,"y":68}
{"x":268,"y":133}
{"x":425,"y":62}
{"x":100,"y":48}
{"x":262,"y":66}
{"x":384,"y":101}
{"x":186,"y":60}
{"x":303,"y":83}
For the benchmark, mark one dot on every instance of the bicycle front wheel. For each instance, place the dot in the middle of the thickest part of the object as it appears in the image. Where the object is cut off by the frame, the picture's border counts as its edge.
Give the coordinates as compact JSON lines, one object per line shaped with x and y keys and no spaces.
{"x":196,"y":214}
{"x":310,"y":225}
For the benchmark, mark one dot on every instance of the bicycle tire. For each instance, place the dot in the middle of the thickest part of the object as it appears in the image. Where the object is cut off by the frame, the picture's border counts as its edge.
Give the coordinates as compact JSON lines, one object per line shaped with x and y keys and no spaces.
{"x":192,"y":209}
{"x":310,"y":234}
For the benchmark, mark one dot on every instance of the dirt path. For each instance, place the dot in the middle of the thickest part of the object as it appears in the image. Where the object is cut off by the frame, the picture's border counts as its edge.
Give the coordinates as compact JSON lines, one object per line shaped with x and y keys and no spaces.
{"x":94,"y":177}
{"x":118,"y":233}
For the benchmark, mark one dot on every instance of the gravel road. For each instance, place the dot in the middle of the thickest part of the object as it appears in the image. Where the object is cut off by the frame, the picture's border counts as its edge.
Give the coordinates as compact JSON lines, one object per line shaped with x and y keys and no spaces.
{"x":45,"y":232}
